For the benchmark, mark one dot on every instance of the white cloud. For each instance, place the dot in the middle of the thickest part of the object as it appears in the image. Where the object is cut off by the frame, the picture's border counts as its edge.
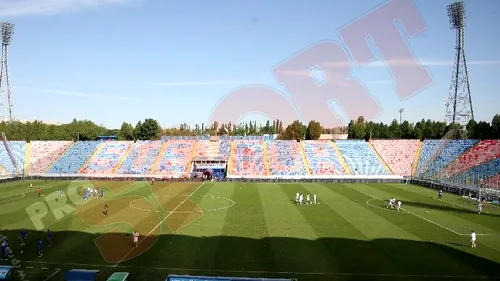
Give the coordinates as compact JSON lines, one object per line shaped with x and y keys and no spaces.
{"x":198,"y":83}
{"x":13,"y":8}
{"x":74,"y":94}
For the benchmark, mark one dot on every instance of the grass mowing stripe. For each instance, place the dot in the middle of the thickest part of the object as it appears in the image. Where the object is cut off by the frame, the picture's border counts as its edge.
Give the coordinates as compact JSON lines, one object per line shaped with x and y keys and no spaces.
{"x":348,"y":241}
{"x":160,"y":223}
{"x":442,"y":254}
{"x":459,"y":219}
{"x":194,"y":245}
{"x":368,"y":222}
{"x":294,"y":238}
{"x":244,"y":243}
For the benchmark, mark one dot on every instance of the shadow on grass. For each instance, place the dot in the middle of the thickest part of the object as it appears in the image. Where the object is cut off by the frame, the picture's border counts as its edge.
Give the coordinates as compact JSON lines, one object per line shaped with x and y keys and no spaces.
{"x":448,"y":208}
{"x":283,"y":257}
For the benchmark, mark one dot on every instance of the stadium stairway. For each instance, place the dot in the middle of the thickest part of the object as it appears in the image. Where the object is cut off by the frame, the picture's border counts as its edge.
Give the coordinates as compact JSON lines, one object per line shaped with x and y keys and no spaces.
{"x":386,"y":167}
{"x":84,"y":166}
{"x":417,"y":158}
{"x":429,"y":149}
{"x":341,"y":158}
{"x":57,"y":158}
{"x":232,"y":154}
{"x":265,"y":153}
{"x":159,"y":158}
{"x":122,"y":159}
{"x":191,"y":157}
{"x":27,"y":157}
{"x":304,"y":159}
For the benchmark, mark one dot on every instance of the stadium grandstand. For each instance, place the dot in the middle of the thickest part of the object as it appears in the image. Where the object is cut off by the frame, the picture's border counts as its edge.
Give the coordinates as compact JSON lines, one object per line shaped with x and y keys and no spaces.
{"x":462,"y":162}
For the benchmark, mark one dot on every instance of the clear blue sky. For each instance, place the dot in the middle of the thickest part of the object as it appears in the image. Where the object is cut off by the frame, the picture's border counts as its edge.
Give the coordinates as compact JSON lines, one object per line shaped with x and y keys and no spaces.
{"x":124,"y":60}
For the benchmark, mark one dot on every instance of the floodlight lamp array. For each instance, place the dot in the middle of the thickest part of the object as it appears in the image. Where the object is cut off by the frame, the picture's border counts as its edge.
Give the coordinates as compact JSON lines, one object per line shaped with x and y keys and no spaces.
{"x":7,"y":32}
{"x":456,"y":12}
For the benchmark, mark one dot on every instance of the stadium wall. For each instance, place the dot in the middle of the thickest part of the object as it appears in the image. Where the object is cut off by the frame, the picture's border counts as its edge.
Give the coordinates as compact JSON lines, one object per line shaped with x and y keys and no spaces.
{"x":329,"y":179}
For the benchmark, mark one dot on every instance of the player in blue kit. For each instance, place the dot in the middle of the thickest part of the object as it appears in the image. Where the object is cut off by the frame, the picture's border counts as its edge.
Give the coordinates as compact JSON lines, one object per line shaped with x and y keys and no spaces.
{"x":102,"y":192}
{"x":23,"y":235}
{"x":49,"y":238}
{"x":39,"y":245}
{"x":3,"y":248}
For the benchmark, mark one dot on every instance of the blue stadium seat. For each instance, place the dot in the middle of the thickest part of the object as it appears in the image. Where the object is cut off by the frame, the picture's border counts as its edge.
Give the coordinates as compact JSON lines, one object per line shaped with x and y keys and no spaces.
{"x":141,"y":158}
{"x":450,"y":152}
{"x":360,"y":158}
{"x":322,"y":158}
{"x":285,"y":158}
{"x":74,"y":158}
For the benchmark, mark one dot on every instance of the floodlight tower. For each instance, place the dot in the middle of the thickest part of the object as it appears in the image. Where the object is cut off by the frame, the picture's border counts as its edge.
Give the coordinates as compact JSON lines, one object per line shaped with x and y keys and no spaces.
{"x":7,"y":33}
{"x":459,"y":102}
{"x":401,"y":115}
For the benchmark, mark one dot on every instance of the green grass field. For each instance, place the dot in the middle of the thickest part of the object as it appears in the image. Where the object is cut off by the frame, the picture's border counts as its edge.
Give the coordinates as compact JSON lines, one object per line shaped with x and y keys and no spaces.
{"x":252,"y":230}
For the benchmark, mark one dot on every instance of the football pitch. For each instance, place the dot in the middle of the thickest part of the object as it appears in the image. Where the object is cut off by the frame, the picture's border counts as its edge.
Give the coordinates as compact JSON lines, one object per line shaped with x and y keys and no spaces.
{"x":250,"y":230}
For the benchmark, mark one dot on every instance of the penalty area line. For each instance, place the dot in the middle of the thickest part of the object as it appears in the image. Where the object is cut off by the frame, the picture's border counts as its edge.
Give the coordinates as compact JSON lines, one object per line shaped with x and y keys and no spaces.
{"x":160,"y":223}
{"x":268,"y":272}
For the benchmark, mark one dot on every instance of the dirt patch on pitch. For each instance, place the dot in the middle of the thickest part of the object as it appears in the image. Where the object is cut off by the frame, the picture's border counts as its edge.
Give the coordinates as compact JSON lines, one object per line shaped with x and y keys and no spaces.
{"x":116,"y":247}
{"x":126,"y":219}
{"x":169,"y":204}
{"x":177,"y":206}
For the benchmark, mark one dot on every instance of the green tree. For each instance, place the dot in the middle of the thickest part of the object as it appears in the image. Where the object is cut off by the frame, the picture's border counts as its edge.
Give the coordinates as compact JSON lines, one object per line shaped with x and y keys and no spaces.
{"x":126,"y":131}
{"x":149,"y":129}
{"x":495,"y":127}
{"x":482,"y":131}
{"x":394,"y":130}
{"x":313,"y":131}
{"x":471,"y":128}
{"x":356,"y":129}
{"x":295,"y":131}
{"x":406,"y":130}
{"x":137,"y":131}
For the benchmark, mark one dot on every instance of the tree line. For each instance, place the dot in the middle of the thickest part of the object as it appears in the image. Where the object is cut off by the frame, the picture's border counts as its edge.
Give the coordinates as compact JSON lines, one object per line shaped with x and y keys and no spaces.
{"x":150,"y":129}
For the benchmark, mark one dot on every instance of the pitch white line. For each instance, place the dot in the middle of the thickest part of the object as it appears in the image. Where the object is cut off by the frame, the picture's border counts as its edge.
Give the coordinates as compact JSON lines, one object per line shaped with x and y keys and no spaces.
{"x":427,"y":220}
{"x":14,"y":199}
{"x":371,"y":205}
{"x":267,"y":272}
{"x":52,"y":275}
{"x":160,"y":223}
{"x":435,"y":223}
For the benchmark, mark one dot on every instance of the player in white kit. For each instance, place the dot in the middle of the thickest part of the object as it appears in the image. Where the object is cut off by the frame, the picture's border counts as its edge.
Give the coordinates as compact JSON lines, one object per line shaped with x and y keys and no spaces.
{"x":399,"y":205}
{"x":301,"y":198}
{"x":391,"y":203}
{"x":297,"y":195}
{"x":308,"y":199}
{"x":479,"y":207}
{"x":473,"y":239}
{"x":136,"y":238}
{"x":315,"y":198}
